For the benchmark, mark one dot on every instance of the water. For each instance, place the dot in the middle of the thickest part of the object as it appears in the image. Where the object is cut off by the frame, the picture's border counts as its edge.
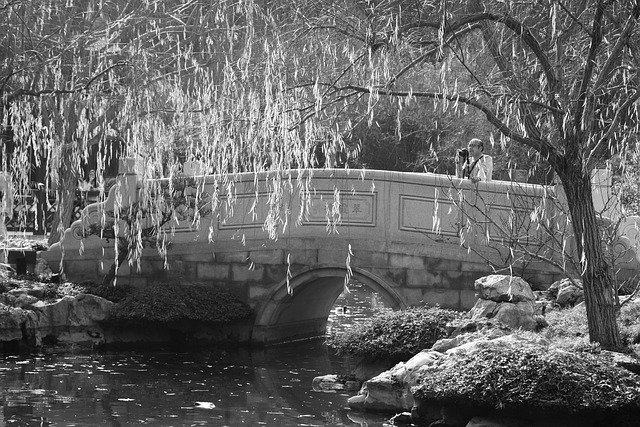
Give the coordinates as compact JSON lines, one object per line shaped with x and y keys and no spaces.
{"x":233,"y":387}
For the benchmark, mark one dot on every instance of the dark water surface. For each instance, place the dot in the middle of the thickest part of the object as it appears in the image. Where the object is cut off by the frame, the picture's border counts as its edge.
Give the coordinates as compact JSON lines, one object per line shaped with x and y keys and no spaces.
{"x":233,"y":387}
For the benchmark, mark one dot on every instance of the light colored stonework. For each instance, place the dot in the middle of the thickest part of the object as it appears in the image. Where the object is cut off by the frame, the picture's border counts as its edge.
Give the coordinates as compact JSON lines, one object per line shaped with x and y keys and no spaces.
{"x":395,"y":232}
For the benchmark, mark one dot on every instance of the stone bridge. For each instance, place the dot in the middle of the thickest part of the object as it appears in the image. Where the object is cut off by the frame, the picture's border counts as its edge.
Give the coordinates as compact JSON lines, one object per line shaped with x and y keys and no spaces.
{"x":286,"y":245}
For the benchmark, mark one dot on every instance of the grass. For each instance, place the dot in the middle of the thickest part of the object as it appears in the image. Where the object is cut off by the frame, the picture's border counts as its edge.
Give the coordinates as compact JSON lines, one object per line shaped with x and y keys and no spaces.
{"x":568,"y":327}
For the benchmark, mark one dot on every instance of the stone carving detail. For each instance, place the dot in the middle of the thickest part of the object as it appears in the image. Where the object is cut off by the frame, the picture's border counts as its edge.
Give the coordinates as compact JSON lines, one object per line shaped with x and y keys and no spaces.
{"x":357,"y":209}
{"x":428,"y":215}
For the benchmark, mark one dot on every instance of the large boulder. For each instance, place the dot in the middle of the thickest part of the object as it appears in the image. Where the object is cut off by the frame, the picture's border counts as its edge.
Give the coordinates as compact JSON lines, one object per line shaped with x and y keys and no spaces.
{"x":73,"y":320}
{"x":391,"y":390}
{"x":502,"y":288}
{"x":521,"y":315}
{"x":567,"y":293}
{"x":72,"y":311}
{"x":17,"y":324}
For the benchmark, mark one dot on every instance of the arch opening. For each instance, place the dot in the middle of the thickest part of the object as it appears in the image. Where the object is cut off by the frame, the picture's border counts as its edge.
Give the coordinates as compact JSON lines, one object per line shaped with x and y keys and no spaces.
{"x":304,"y":313}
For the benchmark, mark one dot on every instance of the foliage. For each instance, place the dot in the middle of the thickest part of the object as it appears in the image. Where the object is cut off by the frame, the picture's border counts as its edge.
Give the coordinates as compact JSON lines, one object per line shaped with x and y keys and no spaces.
{"x":627,"y":184}
{"x":164,"y":303}
{"x":396,"y":335}
{"x":629,"y":320}
{"x":534,"y":379}
{"x":108,"y":291}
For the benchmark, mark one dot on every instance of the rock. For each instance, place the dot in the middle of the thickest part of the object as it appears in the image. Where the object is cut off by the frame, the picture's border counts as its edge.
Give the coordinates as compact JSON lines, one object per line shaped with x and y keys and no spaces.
{"x":25,"y":301}
{"x":42,"y":268}
{"x":515,"y":316}
{"x":401,"y":419}
{"x":73,"y":320}
{"x":501,"y":288}
{"x":569,"y":295}
{"x":79,"y":310}
{"x":390,"y":391}
{"x":334,"y":383}
{"x":558,"y":284}
{"x":483,"y":309}
{"x":365,"y":370}
{"x":35,"y":291}
{"x":446,"y":344}
{"x":8,"y":299}
{"x":17,"y":324}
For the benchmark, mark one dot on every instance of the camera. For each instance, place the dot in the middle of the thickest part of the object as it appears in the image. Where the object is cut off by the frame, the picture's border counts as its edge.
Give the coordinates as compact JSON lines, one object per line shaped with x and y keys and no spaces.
{"x":463,"y":153}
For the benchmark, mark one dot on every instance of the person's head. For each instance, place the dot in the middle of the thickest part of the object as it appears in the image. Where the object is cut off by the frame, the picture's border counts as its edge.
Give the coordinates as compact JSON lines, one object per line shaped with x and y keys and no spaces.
{"x":476,"y":147}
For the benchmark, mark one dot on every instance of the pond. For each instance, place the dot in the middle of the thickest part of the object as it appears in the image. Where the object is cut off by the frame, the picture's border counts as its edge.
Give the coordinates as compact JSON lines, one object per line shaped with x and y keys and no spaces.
{"x":222,"y":387}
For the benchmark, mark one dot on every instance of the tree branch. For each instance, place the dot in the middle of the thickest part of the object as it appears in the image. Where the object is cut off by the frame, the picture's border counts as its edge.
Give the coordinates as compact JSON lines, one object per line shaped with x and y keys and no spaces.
{"x":516,"y":26}
{"x":622,"y":41}
{"x":620,"y":113}
{"x":596,"y":39}
{"x":544,"y":147}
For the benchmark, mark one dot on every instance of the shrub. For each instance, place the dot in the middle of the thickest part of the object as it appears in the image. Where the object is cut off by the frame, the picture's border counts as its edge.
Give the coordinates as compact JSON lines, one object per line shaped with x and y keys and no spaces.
{"x":171,"y":303}
{"x":394,"y":336}
{"x":113,"y":293}
{"x":629,"y":321}
{"x":533,"y":380}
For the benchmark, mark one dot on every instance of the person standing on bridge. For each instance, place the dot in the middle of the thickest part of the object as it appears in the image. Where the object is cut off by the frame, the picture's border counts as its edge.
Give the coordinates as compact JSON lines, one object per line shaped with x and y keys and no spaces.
{"x":477,"y":166}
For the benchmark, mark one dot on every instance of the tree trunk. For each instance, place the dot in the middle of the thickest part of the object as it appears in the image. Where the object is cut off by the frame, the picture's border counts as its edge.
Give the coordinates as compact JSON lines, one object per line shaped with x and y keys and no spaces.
{"x":597,"y":277}
{"x":66,"y":195}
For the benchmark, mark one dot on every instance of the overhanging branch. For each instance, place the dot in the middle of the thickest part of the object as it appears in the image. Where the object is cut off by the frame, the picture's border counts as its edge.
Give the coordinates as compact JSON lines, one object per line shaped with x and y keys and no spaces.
{"x":544,"y":147}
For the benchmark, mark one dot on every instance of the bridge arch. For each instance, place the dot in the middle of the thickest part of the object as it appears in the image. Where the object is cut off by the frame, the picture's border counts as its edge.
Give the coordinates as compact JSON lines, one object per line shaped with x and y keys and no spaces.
{"x":304,"y":312}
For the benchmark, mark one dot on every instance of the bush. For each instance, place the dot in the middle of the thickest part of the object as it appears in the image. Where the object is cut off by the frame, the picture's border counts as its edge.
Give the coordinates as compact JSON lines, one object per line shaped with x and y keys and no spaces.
{"x":113,"y":293}
{"x":394,"y":336}
{"x":171,"y":303}
{"x":533,"y":380}
{"x":629,"y":321}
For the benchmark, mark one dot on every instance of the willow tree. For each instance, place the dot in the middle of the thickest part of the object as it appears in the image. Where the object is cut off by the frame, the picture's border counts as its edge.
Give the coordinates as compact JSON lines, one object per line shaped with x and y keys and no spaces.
{"x":191,"y":76}
{"x":559,"y":78}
